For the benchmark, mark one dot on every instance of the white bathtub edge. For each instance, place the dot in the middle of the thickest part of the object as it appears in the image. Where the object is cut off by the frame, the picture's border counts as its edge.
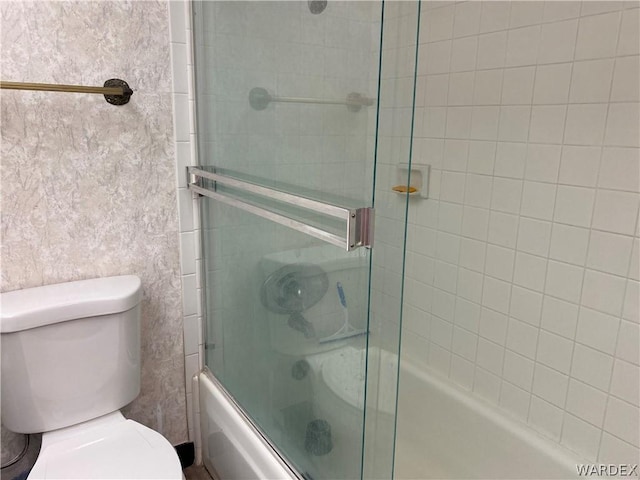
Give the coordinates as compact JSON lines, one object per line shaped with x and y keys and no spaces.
{"x":242,"y":451}
{"x":518,"y":428}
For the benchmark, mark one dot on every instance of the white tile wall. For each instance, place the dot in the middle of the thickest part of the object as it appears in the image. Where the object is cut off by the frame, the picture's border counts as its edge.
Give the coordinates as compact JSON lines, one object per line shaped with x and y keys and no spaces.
{"x":530,"y":121}
{"x":183,"y":108}
{"x":535,"y":175}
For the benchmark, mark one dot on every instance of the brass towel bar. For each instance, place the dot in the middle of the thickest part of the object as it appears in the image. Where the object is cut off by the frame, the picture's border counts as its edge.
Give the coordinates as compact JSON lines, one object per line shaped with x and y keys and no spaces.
{"x":115,"y":91}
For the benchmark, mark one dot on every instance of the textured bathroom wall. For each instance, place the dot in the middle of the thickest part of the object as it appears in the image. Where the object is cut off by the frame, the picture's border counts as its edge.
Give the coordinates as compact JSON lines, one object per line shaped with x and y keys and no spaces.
{"x":89,"y":189}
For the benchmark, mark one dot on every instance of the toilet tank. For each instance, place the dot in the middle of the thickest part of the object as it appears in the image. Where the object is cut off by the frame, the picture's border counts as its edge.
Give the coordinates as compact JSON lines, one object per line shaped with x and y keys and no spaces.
{"x":70,"y":352}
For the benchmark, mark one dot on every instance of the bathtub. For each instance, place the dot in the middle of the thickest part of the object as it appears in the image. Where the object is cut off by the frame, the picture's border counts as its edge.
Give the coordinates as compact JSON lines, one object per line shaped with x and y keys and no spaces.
{"x":445,"y":432}
{"x":232,"y":448}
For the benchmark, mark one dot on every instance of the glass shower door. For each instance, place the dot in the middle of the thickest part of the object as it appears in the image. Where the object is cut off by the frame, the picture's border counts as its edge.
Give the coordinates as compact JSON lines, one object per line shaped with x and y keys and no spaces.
{"x":287,"y":102}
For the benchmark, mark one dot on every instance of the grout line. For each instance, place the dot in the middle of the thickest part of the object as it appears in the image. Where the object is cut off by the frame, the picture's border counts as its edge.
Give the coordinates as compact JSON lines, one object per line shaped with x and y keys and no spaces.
{"x":573,"y":340}
{"x":518,"y":219}
{"x":600,"y":166}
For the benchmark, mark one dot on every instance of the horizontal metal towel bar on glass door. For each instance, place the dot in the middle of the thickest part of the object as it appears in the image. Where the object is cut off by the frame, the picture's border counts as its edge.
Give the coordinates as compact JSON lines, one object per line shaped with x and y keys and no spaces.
{"x":358,"y":221}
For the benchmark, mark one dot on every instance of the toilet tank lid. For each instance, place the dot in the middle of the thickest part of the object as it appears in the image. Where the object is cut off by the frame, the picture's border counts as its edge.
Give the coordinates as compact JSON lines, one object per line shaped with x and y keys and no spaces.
{"x":39,"y":306}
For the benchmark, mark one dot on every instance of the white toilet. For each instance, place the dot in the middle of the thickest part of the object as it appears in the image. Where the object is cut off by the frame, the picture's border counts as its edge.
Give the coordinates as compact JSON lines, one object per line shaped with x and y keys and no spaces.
{"x":70,"y":361}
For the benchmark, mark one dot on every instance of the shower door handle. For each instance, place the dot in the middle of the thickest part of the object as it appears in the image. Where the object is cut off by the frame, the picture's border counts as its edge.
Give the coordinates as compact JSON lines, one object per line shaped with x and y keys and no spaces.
{"x":358,"y":230}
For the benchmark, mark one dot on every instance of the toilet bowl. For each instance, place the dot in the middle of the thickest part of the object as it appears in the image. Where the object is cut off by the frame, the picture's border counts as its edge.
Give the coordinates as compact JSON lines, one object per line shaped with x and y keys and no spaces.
{"x":70,"y":361}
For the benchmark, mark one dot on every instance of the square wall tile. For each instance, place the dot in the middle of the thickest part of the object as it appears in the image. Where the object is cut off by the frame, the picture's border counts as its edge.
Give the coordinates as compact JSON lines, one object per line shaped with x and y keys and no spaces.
{"x":460,"y":88}
{"x":569,"y":244}
{"x":494,"y":16}
{"x":191,"y":330}
{"x":526,"y":305}
{"x":490,"y":356}
{"x":545,"y":417}
{"x":629,"y":43}
{"x":484,"y":122}
{"x":559,"y":317}
{"x":547,"y":123}
{"x":475,"y":222}
{"x":526,"y":13}
{"x":439,"y":24}
{"x":518,"y":370}
{"x":600,"y":6}
{"x":515,"y":400}
{"x":552,"y":83}
{"x":462,"y":372}
{"x":581,"y":437}
{"x":189,"y":295}
{"x":481,"y":157}
{"x":620,"y":169}
{"x":188,"y":253}
{"x":478,"y":190}
{"x":493,"y":326}
{"x":506,"y":195}
{"x":503,"y":229}
{"x":623,"y":125}
{"x":561,"y":10}
{"x":574,"y":205}
{"x":487,"y":385}
{"x":464,"y":343}
{"x":467,"y":315}
{"x":579,"y":165}
{"x":585,"y":124}
{"x":609,"y":252}
{"x":467,"y":19}
{"x":463,"y":54}
{"x":488,"y":87}
{"x":613,"y":450}
{"x":626,"y":80}
{"x":530,"y":271}
{"x":499,"y":262}
{"x":185,"y":208}
{"x":603,"y":292}
{"x":628,"y":347}
{"x":622,"y":421}
{"x":592,"y":367}
{"x":597,"y":330}
{"x":534,"y":236}
{"x":517,"y":86}
{"x":514,"y":123}
{"x":510,"y":160}
{"x":496,"y":295}
{"x":564,"y":281}
{"x":550,"y":385}
{"x":554,"y":351}
{"x":558,"y":40}
{"x":586,"y":403}
{"x":472,"y":254}
{"x":625,"y":382}
{"x":522,"y":338}
{"x":597,"y":36}
{"x":538,"y":200}
{"x":543,"y":162}
{"x":591,"y":81}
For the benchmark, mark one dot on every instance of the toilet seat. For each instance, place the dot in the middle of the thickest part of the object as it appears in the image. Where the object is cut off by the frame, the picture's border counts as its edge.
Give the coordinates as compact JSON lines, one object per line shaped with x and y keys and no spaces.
{"x":110,"y":447}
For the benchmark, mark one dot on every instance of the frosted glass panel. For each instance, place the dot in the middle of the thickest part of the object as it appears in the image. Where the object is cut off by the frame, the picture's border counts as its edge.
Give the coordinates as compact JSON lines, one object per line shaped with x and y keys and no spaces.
{"x":288,"y":97}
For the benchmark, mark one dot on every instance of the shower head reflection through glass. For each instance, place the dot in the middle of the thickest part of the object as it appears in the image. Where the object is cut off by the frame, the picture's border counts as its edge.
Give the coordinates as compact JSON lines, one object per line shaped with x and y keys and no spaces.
{"x":293,"y":289}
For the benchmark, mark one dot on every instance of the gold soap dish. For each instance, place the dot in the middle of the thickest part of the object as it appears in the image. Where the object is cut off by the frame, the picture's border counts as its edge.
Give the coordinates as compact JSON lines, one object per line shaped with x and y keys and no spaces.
{"x":404,"y":189}
{"x":416,"y":184}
